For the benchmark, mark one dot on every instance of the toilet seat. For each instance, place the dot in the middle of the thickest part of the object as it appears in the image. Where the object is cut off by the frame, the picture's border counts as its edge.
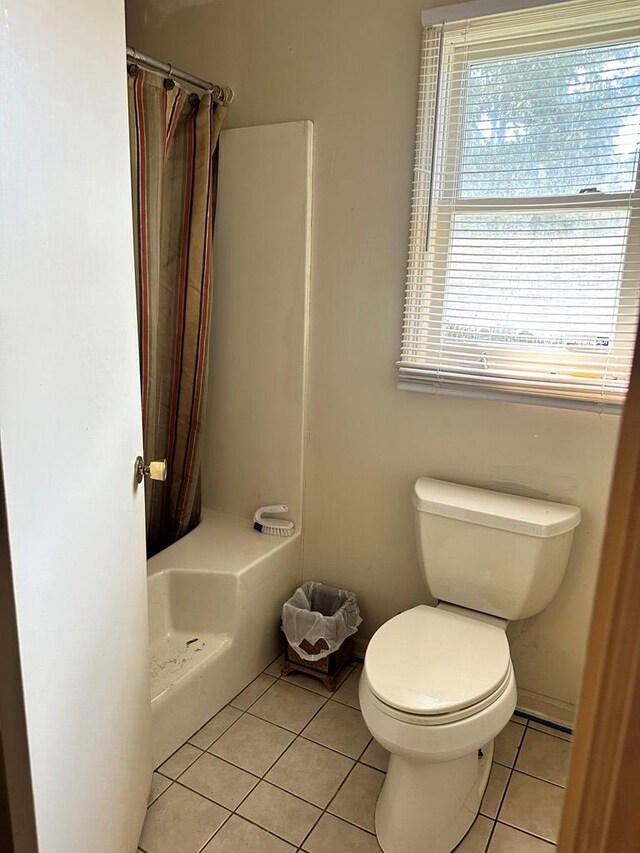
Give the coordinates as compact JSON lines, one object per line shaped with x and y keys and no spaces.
{"x":442,"y":719}
{"x":431,"y":666}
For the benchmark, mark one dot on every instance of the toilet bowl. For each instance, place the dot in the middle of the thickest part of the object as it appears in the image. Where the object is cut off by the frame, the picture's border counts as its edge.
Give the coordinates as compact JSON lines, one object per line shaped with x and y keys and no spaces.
{"x":438,"y":684}
{"x":439,"y":731}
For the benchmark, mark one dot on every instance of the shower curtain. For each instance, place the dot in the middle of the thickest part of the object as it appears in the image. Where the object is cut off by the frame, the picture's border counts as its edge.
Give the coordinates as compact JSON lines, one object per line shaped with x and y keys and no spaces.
{"x":174,"y":135}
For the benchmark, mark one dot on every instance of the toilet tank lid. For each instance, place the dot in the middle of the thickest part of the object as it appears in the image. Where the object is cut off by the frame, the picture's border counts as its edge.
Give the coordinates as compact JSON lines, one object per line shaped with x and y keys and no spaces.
{"x":513,"y":513}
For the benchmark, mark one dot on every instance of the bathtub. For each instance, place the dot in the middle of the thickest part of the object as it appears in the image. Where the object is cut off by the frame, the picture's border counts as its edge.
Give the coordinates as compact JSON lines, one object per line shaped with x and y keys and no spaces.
{"x":214,"y":602}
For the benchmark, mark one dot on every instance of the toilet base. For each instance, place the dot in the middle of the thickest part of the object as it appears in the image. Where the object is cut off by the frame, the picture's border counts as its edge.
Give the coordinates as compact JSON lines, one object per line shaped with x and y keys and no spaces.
{"x":428,"y":807}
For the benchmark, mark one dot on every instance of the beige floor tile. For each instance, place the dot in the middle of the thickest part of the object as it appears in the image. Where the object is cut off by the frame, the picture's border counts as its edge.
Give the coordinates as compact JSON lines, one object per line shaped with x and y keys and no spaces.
{"x":476,"y":840}
{"x":310,"y":771}
{"x":158,"y":785}
{"x":540,"y":727}
{"x":507,"y":743}
{"x":521,"y":721}
{"x":339,"y":727}
{"x":376,"y":756}
{"x":216,"y":779}
{"x":347,"y":693}
{"x":356,"y":800}
{"x":180,"y":822}
{"x":252,"y":744}
{"x":494,"y":792}
{"x":508,"y":840}
{"x":253,"y":691}
{"x":332,"y":835}
{"x":240,"y":836}
{"x":275,"y":667}
{"x":287,"y":706}
{"x":533,"y":805}
{"x":216,"y":726}
{"x":179,"y":761}
{"x":280,"y":812}
{"x":545,"y":757}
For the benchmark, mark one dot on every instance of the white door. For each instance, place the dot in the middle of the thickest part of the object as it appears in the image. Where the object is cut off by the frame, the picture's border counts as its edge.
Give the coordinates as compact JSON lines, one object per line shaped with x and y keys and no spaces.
{"x":70,"y":425}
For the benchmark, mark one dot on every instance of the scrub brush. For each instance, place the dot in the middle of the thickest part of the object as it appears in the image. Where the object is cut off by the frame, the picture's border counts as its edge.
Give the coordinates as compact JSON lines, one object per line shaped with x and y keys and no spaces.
{"x":272,"y":526}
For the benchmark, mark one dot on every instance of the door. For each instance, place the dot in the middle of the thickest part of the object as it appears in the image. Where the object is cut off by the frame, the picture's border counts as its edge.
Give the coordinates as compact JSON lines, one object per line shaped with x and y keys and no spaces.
{"x":70,"y":429}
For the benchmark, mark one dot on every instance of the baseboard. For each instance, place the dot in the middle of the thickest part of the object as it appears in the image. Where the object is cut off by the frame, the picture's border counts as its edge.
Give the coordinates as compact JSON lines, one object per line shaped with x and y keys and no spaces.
{"x":546,"y":710}
{"x":530,"y":704}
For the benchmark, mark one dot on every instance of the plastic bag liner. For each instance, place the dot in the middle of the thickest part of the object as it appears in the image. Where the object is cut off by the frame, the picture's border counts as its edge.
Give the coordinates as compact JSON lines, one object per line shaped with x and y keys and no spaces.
{"x":318,"y":612}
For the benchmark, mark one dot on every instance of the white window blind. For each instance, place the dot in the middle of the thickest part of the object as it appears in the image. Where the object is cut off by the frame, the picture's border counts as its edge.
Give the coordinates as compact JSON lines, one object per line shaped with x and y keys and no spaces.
{"x":524,"y":256}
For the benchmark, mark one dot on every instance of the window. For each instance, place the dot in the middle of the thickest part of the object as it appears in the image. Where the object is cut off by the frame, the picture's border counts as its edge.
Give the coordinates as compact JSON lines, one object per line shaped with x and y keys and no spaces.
{"x":524,"y":252}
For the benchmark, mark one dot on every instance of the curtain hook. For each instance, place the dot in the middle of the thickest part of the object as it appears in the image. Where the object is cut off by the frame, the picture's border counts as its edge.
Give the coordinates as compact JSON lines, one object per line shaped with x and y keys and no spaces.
{"x":169,"y":83}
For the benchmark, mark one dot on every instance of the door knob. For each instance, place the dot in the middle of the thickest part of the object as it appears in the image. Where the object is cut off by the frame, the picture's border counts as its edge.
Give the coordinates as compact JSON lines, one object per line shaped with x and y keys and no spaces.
{"x":156,"y":470}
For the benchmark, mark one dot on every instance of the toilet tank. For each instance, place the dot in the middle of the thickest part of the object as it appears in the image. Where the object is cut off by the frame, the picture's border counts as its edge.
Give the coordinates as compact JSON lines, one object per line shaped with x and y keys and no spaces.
{"x":497,"y":553}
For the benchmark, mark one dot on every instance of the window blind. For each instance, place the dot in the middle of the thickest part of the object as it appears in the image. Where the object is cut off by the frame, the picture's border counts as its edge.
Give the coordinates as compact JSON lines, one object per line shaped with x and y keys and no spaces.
{"x":524,"y":254}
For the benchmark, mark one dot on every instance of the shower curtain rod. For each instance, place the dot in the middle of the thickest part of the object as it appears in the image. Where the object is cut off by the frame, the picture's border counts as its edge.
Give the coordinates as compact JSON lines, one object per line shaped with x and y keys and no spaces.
{"x":222,"y":94}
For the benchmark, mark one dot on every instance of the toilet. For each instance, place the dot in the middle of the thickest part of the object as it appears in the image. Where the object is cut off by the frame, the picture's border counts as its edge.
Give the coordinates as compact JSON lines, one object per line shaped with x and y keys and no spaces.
{"x":438,"y":683}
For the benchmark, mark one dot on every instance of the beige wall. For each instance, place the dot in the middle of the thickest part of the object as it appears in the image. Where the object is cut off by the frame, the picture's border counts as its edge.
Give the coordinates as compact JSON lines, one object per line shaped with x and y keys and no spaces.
{"x":352,"y":67}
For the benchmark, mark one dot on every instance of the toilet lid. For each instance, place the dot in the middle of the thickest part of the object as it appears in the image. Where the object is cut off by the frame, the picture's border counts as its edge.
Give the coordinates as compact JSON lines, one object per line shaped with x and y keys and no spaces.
{"x":431,"y":661}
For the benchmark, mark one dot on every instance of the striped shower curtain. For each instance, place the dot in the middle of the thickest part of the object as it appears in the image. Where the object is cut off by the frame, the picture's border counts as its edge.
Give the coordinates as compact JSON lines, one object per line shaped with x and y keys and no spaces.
{"x":174,"y":135}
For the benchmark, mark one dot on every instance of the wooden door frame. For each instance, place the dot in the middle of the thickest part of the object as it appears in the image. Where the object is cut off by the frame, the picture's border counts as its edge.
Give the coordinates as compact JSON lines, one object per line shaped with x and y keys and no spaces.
{"x":601,"y":813}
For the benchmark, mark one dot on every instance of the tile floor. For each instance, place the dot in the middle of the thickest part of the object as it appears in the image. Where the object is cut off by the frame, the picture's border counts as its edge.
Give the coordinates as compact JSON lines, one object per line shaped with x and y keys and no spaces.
{"x":286,"y":766}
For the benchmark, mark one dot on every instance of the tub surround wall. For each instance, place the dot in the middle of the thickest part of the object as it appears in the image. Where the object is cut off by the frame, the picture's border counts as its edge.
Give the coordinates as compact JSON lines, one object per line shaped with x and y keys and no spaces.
{"x":353,"y":69}
{"x":252,"y":453}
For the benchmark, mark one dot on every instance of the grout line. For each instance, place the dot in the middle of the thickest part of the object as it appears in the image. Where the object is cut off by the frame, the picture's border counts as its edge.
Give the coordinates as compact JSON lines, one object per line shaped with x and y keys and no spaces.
{"x":259,"y":826}
{"x":164,"y":775}
{"x":506,"y":787}
{"x":284,"y":728}
{"x":355,"y":758}
{"x":188,"y":765}
{"x":513,"y":826}
{"x":340,"y":787}
{"x":288,"y":731}
{"x":322,"y":810}
{"x":257,"y":699}
{"x":296,"y":735}
{"x":526,"y":832}
{"x":215,"y":833}
{"x":308,"y":802}
{"x":539,"y":778}
{"x":224,"y":708}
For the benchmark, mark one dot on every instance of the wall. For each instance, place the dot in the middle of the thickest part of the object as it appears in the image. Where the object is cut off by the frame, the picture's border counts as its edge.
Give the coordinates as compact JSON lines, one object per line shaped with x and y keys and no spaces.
{"x":352,"y":68}
{"x":70,"y":427}
{"x":258,"y":353}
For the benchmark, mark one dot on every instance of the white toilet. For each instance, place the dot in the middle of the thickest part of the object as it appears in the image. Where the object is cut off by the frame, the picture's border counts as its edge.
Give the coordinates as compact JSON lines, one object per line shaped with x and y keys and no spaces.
{"x":438,"y":684}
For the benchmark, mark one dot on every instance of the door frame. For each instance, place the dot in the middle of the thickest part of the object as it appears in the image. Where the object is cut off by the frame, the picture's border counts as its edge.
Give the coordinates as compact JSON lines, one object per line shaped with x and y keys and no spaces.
{"x":601,"y":813}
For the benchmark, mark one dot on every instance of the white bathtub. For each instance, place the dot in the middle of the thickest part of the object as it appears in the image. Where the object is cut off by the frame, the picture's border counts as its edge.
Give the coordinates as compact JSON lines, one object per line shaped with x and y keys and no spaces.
{"x":214,"y":617}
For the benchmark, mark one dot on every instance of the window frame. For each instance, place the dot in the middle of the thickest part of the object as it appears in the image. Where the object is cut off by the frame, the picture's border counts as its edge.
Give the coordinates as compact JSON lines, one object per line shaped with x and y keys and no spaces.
{"x":437,"y":226}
